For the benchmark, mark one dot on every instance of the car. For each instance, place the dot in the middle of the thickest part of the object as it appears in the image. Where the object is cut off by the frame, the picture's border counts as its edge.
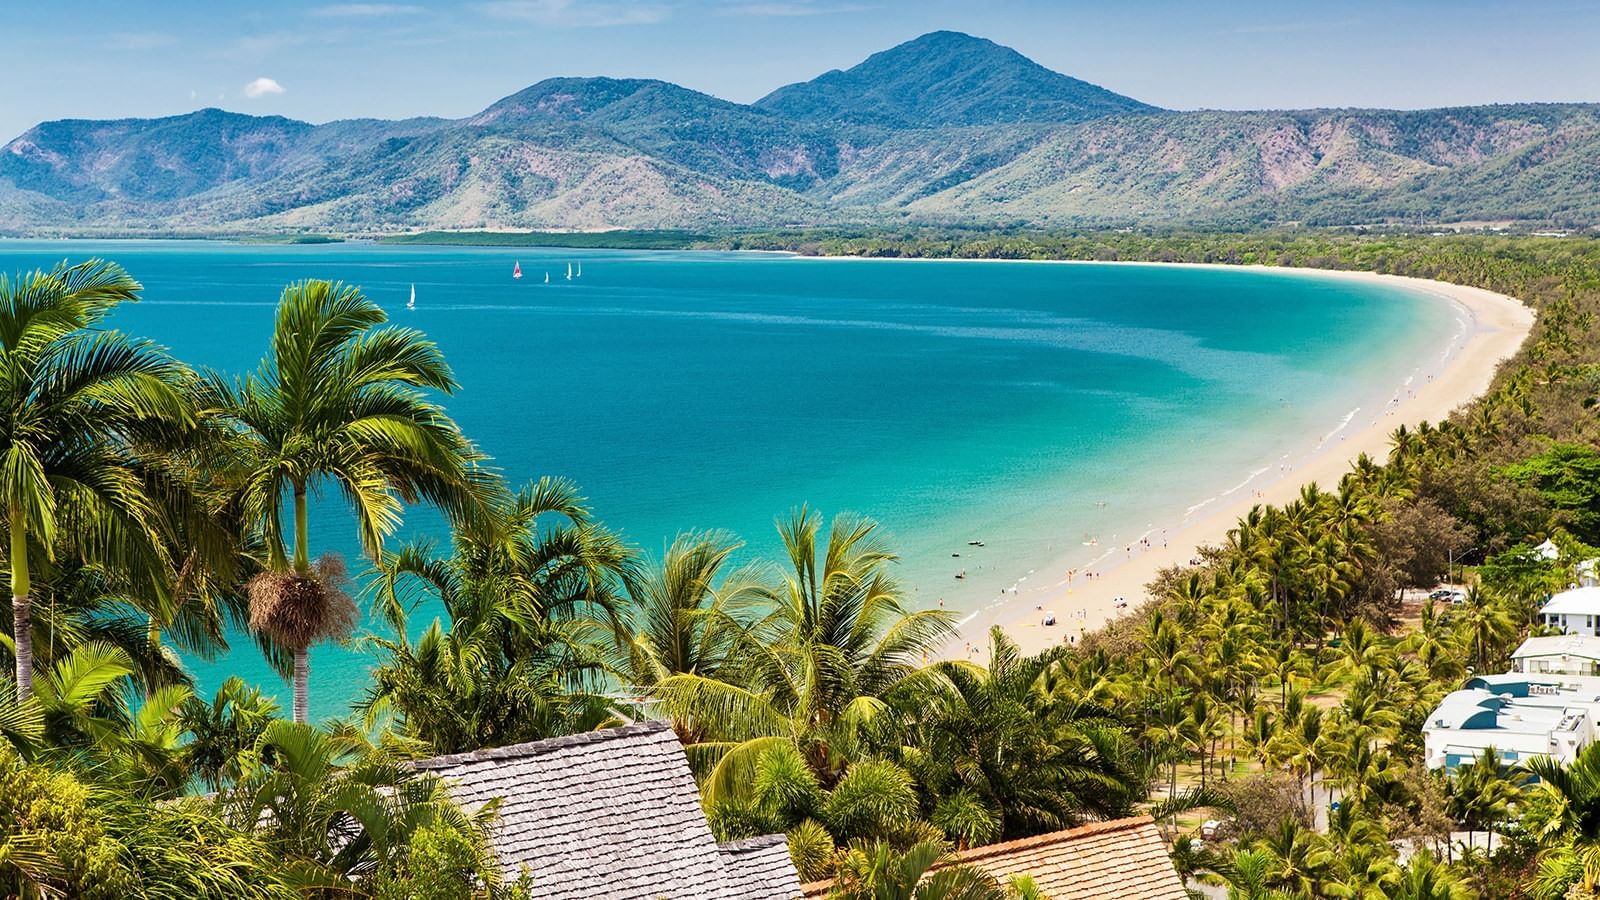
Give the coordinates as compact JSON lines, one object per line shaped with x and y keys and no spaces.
{"x":1441,"y":594}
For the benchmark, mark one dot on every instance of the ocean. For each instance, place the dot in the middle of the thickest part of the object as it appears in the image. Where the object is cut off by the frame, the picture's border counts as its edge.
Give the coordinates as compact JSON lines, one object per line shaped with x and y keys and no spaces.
{"x":1038,"y":408}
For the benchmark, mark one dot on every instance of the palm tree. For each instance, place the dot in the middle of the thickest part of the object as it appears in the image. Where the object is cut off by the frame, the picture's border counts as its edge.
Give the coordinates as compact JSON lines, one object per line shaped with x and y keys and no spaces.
{"x":223,"y":730}
{"x":81,"y":710}
{"x":1299,"y":858}
{"x":1570,"y":846}
{"x":878,"y":872}
{"x":1360,"y":650}
{"x":689,"y":613}
{"x":1284,"y":661}
{"x":1425,"y":878}
{"x":1485,"y":628}
{"x":991,"y":746}
{"x":1365,"y":862}
{"x":1480,"y":797}
{"x":1249,"y":875}
{"x":818,"y":667}
{"x":76,"y":400}
{"x":1308,"y":749}
{"x":1204,"y":729}
{"x":1170,"y":666}
{"x":530,"y":593}
{"x":1434,"y":645}
{"x":338,"y":398}
{"x":1263,"y":736}
{"x":76,"y":603}
{"x":337,"y":810}
{"x":874,"y":800}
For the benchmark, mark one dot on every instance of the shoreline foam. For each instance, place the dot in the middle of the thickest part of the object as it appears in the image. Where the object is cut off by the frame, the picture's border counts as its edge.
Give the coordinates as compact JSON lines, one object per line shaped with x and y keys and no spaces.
{"x":1491,"y":329}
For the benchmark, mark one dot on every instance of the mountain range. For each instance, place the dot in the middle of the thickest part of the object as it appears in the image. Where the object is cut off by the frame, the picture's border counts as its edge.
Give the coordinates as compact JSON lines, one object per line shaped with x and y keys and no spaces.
{"x":945,"y":128}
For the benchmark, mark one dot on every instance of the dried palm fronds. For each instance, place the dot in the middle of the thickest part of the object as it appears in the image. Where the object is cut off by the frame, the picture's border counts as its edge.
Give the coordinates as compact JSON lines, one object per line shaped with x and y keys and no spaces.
{"x":300,"y":610}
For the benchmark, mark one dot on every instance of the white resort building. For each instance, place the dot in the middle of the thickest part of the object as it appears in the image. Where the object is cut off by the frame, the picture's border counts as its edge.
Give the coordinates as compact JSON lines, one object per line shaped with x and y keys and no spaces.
{"x":1558,"y":654}
{"x":1548,"y":705}
{"x":1576,"y":611}
{"x":1520,"y":715}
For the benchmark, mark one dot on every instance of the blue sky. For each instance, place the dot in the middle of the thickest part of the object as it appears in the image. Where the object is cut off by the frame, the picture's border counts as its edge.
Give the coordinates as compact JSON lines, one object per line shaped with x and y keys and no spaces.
{"x":325,"y":60}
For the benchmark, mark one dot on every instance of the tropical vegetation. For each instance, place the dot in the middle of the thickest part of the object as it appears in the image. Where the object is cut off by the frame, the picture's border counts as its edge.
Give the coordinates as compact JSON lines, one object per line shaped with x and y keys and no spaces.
{"x":1278,"y":687}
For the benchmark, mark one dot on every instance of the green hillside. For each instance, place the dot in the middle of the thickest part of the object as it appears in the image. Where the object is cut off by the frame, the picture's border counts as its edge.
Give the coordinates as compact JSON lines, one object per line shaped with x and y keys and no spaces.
{"x":942,"y":130}
{"x":583,"y":240}
{"x":942,"y":79}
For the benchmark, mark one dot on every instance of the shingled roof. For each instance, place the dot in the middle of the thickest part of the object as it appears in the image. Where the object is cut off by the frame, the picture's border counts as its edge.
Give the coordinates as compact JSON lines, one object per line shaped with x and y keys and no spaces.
{"x":611,"y":814}
{"x":1124,"y":858}
{"x":761,"y":868}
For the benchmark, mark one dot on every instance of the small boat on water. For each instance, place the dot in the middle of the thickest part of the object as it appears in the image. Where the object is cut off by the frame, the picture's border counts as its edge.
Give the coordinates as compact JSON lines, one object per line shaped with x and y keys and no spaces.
{"x":412,"y":303}
{"x":516,"y":269}
{"x":569,"y":271}
{"x":580,"y":270}
{"x":547,"y":278}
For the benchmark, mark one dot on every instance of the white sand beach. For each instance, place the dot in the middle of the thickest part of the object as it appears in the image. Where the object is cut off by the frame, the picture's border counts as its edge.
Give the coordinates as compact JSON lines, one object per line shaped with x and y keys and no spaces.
{"x":1496,"y":326}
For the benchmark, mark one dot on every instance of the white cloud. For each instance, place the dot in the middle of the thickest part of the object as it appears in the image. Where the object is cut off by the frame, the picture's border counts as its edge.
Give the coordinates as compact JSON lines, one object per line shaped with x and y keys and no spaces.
{"x":140,"y":40}
{"x":1294,"y":27}
{"x":365,"y":10}
{"x":790,"y":8}
{"x":573,"y":13}
{"x":261,"y":87}
{"x":257,"y":46}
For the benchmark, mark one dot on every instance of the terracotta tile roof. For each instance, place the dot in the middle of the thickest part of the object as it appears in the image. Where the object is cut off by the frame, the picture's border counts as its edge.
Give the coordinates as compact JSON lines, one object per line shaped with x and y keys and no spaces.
{"x":611,"y":814}
{"x":1124,"y":858}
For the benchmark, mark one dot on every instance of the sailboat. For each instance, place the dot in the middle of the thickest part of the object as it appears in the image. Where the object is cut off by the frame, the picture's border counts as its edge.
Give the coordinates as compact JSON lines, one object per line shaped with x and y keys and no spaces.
{"x":569,"y":271}
{"x":412,"y":303}
{"x":580,"y":270}
{"x":516,"y":269}
{"x":547,"y":278}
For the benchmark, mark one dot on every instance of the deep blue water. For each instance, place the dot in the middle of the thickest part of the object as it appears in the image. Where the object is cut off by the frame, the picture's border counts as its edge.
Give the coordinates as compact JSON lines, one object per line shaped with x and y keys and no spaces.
{"x":1024,"y":404}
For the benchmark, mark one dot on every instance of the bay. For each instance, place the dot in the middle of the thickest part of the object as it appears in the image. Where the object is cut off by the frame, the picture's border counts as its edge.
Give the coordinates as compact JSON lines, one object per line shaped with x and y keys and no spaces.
{"x":1027,"y":405}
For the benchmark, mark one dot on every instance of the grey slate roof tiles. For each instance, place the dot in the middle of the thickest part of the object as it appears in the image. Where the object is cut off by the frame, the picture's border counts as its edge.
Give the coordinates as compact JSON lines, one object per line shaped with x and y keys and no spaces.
{"x":612,"y":814}
{"x":759,"y":868}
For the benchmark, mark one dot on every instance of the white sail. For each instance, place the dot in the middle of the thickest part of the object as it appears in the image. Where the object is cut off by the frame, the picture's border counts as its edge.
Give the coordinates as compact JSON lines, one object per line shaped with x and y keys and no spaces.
{"x":580,"y":270}
{"x":569,"y":271}
{"x":547,"y":278}
{"x":412,"y":303}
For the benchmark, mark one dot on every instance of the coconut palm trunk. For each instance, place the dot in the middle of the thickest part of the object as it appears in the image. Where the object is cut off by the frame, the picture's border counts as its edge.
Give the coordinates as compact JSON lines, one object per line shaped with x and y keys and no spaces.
{"x":302,"y":674}
{"x":21,"y":605}
{"x":302,"y":568}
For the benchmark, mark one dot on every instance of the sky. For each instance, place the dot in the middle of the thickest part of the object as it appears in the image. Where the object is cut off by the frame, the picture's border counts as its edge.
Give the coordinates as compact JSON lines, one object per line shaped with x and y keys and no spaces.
{"x":321,"y":59}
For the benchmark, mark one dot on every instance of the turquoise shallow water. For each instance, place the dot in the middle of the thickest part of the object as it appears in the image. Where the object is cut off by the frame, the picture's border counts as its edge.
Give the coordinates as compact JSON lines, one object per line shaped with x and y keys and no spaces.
{"x":1027,"y":405}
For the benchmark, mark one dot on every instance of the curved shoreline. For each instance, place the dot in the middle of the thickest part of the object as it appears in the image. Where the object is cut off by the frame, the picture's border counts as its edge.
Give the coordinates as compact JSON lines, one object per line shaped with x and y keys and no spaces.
{"x":1495,"y":327}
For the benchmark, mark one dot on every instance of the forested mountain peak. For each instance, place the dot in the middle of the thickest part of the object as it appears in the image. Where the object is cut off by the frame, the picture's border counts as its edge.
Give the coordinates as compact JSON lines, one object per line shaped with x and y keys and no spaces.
{"x":947,"y":78}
